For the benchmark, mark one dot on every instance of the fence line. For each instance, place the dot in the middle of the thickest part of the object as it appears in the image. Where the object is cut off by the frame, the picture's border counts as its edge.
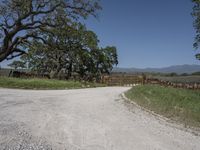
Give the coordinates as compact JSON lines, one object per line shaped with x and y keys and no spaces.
{"x":117,"y":80}
{"x":192,"y":86}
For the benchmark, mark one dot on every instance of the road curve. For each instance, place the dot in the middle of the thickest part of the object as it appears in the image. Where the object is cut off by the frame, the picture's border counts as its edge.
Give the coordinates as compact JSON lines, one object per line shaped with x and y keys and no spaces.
{"x":84,"y":119}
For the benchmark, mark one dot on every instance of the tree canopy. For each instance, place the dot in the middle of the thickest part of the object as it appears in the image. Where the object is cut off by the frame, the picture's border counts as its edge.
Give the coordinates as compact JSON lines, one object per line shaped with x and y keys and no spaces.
{"x":196,"y":15}
{"x":51,"y":40}
{"x":21,"y":21}
{"x":71,"y":50}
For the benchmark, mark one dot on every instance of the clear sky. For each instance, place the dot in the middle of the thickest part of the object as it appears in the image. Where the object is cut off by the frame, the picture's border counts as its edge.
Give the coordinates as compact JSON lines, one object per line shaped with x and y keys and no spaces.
{"x":147,"y":33}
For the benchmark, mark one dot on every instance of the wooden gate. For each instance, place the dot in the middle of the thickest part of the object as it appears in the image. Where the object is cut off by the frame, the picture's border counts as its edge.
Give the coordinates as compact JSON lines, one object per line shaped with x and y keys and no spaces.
{"x":122,"y":79}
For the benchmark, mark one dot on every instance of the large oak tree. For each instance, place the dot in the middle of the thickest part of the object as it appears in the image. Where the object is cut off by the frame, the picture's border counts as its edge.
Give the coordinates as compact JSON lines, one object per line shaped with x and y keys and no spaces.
{"x":72,"y":49}
{"x":21,"y":21}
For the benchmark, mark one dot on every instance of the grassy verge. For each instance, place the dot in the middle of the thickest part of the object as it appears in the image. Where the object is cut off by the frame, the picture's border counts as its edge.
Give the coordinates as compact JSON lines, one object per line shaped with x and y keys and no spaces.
{"x":35,"y":83}
{"x":177,"y":104}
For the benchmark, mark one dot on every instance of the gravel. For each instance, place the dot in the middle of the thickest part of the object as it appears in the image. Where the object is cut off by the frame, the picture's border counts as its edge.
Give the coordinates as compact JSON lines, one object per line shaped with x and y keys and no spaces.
{"x":84,"y":119}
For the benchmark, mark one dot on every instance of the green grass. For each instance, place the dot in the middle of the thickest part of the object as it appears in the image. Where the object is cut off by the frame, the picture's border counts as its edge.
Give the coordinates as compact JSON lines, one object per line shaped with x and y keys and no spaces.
{"x":177,"y":104}
{"x":35,"y":83}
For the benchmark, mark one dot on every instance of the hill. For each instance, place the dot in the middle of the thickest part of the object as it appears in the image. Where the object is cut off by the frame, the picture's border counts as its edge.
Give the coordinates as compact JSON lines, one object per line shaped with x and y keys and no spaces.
{"x":179,"y":69}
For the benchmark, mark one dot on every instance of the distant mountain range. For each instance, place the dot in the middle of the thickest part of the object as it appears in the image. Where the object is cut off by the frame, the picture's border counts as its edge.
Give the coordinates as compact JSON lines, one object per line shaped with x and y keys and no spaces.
{"x":179,"y":69}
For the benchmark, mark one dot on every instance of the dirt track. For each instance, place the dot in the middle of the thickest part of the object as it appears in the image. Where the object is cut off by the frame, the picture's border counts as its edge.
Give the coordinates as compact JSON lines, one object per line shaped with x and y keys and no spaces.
{"x":85,"y":119}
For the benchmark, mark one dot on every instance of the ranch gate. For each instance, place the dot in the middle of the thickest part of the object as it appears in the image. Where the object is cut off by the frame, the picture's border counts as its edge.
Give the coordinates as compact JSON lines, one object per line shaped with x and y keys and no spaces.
{"x":123,"y":79}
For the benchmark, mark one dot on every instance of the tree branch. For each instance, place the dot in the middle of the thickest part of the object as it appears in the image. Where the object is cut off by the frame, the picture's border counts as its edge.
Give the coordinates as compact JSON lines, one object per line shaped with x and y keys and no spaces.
{"x":19,"y":51}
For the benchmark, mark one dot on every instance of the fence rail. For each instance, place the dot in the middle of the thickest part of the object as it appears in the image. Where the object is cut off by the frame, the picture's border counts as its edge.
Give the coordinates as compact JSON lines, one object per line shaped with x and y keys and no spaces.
{"x":122,"y":80}
{"x":115,"y":79}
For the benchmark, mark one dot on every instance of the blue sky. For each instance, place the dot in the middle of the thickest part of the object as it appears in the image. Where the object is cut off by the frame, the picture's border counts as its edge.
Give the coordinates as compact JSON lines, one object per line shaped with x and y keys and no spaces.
{"x":147,"y":33}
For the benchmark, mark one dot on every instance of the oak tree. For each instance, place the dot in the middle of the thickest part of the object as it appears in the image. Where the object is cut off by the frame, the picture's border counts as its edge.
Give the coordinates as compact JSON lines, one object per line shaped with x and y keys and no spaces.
{"x":21,"y":21}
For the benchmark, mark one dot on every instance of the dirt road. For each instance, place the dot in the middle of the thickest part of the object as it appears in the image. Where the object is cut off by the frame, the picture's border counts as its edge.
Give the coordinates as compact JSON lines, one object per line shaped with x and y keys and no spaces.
{"x":85,"y":119}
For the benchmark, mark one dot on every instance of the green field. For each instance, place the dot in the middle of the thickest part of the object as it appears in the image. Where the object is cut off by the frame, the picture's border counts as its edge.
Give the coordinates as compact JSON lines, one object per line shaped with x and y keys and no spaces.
{"x":177,"y":104}
{"x":35,"y":83}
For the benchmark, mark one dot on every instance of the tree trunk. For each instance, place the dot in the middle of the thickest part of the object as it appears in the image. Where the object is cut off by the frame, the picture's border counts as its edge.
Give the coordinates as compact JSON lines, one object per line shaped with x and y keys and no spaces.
{"x":4,"y":54}
{"x":69,"y":74}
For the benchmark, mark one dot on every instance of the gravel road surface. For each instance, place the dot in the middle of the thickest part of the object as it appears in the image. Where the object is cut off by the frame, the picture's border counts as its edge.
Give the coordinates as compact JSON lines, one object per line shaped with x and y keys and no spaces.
{"x":84,"y":119}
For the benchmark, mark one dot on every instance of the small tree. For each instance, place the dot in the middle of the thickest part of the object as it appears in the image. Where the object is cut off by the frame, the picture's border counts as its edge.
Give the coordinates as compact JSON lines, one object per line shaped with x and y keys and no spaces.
{"x":17,"y":64}
{"x":196,"y":15}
